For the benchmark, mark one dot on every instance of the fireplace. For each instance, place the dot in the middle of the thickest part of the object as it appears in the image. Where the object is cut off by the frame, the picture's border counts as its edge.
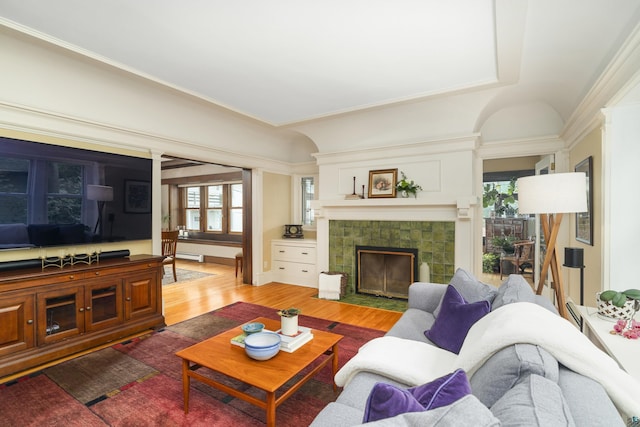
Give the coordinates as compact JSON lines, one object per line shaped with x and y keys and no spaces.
{"x":384,"y":271}
{"x":434,"y":240}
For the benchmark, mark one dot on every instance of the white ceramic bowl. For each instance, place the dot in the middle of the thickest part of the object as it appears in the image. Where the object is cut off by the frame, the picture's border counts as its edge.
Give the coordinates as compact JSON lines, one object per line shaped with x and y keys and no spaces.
{"x":262,"y":345}
{"x":252,"y":328}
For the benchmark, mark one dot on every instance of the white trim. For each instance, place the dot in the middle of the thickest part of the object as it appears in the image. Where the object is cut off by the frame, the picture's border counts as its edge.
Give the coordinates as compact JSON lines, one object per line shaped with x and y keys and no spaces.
{"x":520,"y":147}
{"x":49,"y":124}
{"x":408,"y":150}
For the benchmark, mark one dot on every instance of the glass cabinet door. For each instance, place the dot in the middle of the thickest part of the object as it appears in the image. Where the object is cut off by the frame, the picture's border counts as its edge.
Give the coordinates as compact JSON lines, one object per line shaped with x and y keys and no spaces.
{"x":104,"y":304}
{"x":60,"y":314}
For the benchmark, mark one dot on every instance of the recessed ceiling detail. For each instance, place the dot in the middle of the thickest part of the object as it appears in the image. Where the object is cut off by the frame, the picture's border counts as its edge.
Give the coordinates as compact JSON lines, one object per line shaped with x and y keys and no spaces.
{"x":285,"y":61}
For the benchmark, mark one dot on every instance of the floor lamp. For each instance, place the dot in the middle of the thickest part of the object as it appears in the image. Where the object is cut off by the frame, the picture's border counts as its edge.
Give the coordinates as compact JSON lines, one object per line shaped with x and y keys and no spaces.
{"x":551,"y":196}
{"x":101,"y":194}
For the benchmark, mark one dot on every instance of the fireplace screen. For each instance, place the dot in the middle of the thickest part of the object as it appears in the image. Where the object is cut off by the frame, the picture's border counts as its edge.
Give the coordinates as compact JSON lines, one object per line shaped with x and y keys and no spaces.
{"x":385,"y":271}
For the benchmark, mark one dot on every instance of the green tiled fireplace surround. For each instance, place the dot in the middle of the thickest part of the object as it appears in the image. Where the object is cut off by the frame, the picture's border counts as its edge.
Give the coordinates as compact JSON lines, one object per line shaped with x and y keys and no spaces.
{"x":435,"y":241}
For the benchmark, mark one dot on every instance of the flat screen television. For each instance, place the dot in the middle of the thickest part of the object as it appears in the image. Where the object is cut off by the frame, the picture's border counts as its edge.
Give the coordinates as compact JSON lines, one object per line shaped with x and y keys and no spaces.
{"x":52,"y":195}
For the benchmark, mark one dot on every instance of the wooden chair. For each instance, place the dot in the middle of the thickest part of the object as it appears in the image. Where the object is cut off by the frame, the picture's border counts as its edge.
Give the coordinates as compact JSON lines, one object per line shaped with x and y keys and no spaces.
{"x":169,"y":246}
{"x":239,"y":262}
{"x":522,"y":256}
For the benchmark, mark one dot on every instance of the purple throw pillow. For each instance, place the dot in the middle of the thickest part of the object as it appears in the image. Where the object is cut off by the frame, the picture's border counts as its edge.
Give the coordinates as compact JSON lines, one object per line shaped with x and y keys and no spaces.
{"x":442,"y":391}
{"x":386,"y":401}
{"x":455,"y":319}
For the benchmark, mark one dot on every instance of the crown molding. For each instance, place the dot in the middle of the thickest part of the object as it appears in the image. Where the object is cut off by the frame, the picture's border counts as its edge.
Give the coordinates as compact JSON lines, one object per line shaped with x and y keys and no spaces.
{"x":59,"y":128}
{"x":614,"y":82}
{"x":446,"y":145}
{"x":520,"y":147}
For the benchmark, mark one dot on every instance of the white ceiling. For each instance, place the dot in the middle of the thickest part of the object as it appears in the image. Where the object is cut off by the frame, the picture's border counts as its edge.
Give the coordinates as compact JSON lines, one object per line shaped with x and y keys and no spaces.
{"x":286,"y":62}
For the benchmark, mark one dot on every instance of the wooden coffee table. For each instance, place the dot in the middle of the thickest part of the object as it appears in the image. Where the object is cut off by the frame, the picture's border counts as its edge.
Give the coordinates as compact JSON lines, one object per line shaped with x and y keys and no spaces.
{"x":219,"y":355}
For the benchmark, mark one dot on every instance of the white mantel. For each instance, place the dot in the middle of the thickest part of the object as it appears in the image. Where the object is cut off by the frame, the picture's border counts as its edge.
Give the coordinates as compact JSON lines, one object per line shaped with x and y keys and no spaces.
{"x":460,"y":210}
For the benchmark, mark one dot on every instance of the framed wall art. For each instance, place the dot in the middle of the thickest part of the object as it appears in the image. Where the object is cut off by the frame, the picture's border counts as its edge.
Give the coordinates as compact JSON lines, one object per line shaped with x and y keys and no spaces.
{"x":137,"y":196}
{"x":584,"y":220}
{"x":382,"y":183}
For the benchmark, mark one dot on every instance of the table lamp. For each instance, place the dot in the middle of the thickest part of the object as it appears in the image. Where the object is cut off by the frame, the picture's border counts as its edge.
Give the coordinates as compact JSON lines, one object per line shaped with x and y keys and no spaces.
{"x":551,"y":196}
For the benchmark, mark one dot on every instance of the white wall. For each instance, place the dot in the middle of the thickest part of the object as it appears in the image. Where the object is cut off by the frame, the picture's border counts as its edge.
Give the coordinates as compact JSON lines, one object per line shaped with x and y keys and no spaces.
{"x":217,"y":251}
{"x":621,"y":174}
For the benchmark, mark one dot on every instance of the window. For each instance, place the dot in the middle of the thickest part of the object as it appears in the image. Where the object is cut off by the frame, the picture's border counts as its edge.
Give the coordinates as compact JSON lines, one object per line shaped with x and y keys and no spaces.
{"x":192,"y":213}
{"x":213,"y":208}
{"x":235,"y":213}
{"x":308,"y":194}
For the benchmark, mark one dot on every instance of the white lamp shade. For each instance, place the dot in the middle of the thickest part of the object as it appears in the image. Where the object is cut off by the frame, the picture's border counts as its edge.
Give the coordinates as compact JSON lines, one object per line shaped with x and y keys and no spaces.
{"x":101,"y":193}
{"x":553,"y":193}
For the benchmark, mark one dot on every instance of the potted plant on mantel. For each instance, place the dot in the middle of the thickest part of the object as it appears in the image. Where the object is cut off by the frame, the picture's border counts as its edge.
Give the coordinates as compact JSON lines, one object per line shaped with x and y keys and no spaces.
{"x":404,"y":187}
{"x":289,"y":321}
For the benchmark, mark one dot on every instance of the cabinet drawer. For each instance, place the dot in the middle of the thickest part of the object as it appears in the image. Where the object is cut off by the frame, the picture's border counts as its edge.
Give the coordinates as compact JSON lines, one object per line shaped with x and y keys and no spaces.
{"x":294,"y":253}
{"x":295,"y":273}
{"x":120,"y":270}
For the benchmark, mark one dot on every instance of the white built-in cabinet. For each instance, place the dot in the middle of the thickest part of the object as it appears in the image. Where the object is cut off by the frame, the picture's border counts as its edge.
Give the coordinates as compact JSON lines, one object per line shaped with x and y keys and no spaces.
{"x":293,"y":261}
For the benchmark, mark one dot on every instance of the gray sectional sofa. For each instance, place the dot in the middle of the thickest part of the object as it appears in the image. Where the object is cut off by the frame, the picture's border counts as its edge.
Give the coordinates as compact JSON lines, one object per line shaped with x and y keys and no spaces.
{"x":520,"y":385}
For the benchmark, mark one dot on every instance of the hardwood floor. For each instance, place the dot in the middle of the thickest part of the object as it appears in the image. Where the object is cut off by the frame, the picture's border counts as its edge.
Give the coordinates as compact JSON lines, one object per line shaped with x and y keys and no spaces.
{"x":189,"y":299}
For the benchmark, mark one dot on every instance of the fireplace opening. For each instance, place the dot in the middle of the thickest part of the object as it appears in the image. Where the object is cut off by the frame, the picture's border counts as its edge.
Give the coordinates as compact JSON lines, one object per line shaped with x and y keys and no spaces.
{"x":385,"y":271}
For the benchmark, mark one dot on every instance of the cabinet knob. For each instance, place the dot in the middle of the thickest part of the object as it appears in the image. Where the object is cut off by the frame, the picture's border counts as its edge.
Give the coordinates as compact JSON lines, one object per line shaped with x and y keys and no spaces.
{"x":305,"y":271}
{"x":281,"y":268}
{"x":30,"y":322}
{"x":305,"y":253}
{"x":88,"y":308}
{"x":128,"y":298}
{"x":81,"y":309}
{"x":71,"y":277}
{"x":281,"y":252}
{"x":97,"y":273}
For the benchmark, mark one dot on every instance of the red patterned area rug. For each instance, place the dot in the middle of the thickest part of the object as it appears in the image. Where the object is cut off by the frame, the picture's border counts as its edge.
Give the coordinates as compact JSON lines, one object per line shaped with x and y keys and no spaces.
{"x":139,"y":383}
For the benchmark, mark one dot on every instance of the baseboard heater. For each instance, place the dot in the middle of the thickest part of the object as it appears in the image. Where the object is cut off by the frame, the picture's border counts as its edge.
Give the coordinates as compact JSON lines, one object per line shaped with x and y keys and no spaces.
{"x":192,"y":257}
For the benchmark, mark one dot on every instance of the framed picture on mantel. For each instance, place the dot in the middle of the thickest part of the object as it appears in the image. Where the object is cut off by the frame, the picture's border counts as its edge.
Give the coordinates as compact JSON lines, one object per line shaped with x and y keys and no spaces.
{"x":584,"y":220}
{"x":382,"y":183}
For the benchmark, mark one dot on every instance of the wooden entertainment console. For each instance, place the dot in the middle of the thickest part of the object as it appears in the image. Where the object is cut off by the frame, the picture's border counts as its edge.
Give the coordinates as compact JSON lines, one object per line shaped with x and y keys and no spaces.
{"x":52,"y":313}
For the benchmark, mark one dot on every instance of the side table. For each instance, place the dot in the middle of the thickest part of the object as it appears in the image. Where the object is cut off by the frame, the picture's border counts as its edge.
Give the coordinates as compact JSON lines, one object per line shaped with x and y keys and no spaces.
{"x":625,"y":351}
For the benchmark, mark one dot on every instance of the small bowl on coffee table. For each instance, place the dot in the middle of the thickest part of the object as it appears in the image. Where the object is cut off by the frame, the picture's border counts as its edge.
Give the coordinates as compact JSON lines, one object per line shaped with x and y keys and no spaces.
{"x":252,"y":328}
{"x":262,"y":345}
